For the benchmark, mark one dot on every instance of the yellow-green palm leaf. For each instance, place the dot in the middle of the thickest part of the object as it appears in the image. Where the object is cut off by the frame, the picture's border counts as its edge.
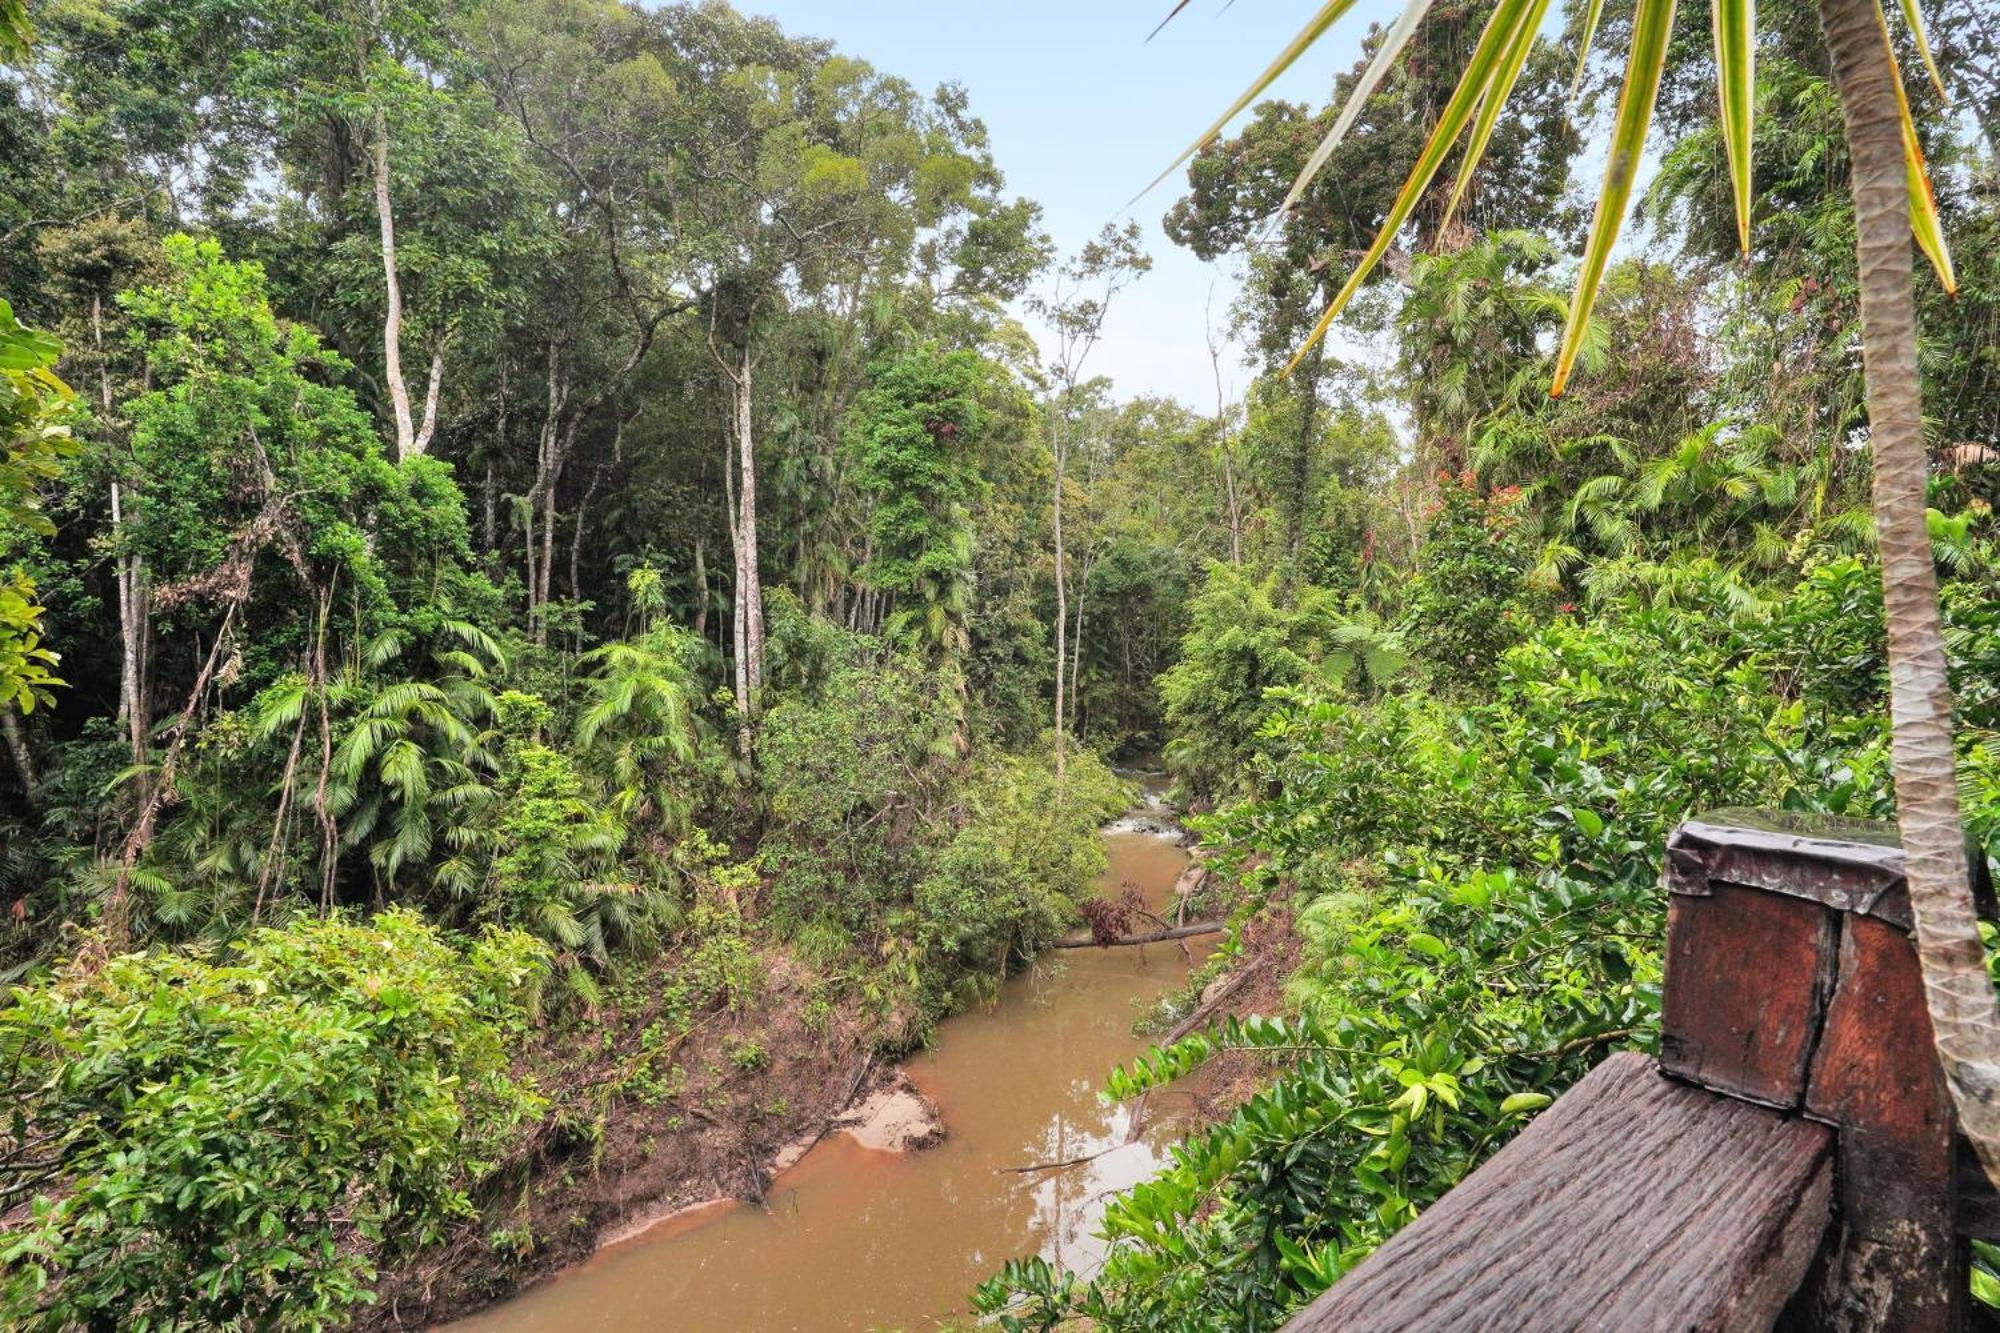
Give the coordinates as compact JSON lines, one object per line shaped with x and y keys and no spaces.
{"x":1481,"y":73}
{"x":1523,"y":41}
{"x":1329,"y":14}
{"x":1489,"y":77}
{"x":1736,"y":84}
{"x":1652,"y":26}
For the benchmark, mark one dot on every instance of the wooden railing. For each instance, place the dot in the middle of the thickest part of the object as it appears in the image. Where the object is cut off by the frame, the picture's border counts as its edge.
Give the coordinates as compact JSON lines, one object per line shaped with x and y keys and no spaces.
{"x":1789,"y":1160}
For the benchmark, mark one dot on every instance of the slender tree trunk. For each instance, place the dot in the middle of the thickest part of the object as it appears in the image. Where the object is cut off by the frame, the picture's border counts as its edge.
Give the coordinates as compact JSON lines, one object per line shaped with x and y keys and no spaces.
{"x":549,"y":451}
{"x":1062,"y":591}
{"x":558,"y":457}
{"x":329,"y":830}
{"x":490,"y":517}
{"x":140,"y":836}
{"x":1963,"y":1016}
{"x":125,"y":569}
{"x":17,"y":750}
{"x":700,"y":589}
{"x":274,"y":852}
{"x":432,"y":389}
{"x":1228,"y":457}
{"x":1235,"y":505}
{"x":498,"y":448}
{"x":1076,"y":643}
{"x":750,"y":590}
{"x":739,"y":649}
{"x":392,"y":319}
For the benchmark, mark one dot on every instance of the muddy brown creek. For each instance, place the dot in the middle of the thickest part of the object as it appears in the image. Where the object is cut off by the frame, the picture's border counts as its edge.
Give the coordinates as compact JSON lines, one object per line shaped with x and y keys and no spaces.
{"x":859,"y":1239}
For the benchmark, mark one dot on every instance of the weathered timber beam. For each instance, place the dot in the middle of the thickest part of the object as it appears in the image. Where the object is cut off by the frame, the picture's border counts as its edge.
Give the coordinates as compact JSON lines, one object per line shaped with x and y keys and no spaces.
{"x":1635,"y":1204}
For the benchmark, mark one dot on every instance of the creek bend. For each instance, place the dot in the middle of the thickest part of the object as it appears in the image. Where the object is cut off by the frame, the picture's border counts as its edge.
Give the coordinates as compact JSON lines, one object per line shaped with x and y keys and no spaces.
{"x":856,"y":1238}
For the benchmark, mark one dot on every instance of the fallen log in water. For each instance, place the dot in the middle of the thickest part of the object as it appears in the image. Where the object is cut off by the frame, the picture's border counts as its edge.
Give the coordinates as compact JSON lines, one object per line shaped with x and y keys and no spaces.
{"x":1152,"y":937}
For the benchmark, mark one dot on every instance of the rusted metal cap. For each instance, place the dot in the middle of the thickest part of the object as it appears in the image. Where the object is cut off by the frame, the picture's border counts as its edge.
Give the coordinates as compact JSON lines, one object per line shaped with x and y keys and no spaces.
{"x":1852,"y":865}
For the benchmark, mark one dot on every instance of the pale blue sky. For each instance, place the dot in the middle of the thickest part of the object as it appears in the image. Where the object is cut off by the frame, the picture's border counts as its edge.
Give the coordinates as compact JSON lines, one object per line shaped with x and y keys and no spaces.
{"x":1083,"y":112}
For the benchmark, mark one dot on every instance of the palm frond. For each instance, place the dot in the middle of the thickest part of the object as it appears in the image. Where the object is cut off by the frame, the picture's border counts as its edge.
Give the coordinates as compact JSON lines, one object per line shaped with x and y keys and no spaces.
{"x":1652,"y":27}
{"x":1477,"y":80}
{"x":1371,"y":78}
{"x":1329,"y":14}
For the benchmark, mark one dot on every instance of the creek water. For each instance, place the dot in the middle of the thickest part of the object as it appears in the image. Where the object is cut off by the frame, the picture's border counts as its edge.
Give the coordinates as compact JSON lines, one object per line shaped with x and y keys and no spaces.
{"x":859,"y":1239}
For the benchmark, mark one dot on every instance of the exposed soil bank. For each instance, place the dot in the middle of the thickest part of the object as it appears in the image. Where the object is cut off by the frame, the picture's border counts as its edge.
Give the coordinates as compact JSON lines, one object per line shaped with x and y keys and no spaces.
{"x":655,"y":1137}
{"x":854,"y":1236}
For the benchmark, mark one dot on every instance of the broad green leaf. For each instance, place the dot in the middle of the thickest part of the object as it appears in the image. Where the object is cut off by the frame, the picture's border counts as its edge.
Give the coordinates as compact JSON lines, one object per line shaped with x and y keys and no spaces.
{"x":1371,"y":79}
{"x":1652,"y":25}
{"x":1477,"y":79}
{"x":1428,"y":945}
{"x":1735,"y":66}
{"x":1329,"y":14}
{"x":1495,"y":101}
{"x":1522,"y":1102}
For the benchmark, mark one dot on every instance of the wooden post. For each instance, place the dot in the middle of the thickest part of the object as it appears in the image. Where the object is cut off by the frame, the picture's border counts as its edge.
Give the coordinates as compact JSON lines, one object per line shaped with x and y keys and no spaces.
{"x":1792,"y":982}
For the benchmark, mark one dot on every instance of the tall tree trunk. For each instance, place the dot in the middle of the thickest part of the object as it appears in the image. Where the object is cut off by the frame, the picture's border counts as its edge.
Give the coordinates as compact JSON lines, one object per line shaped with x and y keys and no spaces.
{"x":1235,"y":504}
{"x":549,"y":453}
{"x":17,"y":750}
{"x":432,"y":389}
{"x":750,"y":588}
{"x":392,"y":319}
{"x":1228,"y":456}
{"x":490,"y":515}
{"x":1062,"y":589}
{"x":700,"y":589}
{"x":490,"y":497}
{"x":1963,"y":1015}
{"x":126,"y":571}
{"x":739,"y":651}
{"x":1076,"y":642}
{"x":558,"y":458}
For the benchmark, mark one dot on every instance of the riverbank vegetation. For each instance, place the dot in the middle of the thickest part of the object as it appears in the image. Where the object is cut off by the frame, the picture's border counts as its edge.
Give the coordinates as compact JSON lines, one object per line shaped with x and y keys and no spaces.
{"x":552,"y":609}
{"x":527,"y":650}
{"x":1566,"y":625}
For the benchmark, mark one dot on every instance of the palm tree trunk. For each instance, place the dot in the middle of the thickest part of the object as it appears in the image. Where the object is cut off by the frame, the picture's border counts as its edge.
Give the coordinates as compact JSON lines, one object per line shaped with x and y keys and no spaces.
{"x":1964,"y":1020}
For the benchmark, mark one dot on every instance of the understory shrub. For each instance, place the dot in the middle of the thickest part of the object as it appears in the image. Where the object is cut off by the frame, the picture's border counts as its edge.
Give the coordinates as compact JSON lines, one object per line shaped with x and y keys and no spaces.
{"x":236,"y":1138}
{"x":1477,"y":891}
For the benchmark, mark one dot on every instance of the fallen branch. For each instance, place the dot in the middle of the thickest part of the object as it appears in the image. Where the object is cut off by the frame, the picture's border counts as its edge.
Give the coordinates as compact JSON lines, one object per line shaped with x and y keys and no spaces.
{"x":1155,"y":937}
{"x":1202,"y":1013}
{"x":1063,"y":1165}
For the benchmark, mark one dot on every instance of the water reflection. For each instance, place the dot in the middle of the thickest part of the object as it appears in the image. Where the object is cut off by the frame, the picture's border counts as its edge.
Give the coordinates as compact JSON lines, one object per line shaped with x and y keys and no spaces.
{"x":858,"y":1239}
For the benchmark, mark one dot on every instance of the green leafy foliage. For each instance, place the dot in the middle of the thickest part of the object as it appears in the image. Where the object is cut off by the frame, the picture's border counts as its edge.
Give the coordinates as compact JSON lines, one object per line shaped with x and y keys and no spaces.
{"x":1476,"y":886}
{"x":1471,"y":599}
{"x":241,"y":1136}
{"x":34,"y":438}
{"x":914,"y":451}
{"x":1246,"y":648}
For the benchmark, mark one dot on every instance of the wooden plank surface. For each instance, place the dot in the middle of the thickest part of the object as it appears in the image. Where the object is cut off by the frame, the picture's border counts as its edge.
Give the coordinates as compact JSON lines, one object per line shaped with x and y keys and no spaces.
{"x":1632,"y":1204}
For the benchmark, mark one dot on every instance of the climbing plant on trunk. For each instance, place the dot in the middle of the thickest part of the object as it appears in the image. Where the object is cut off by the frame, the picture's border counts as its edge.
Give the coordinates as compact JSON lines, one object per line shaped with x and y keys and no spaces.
{"x":1893,"y":205}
